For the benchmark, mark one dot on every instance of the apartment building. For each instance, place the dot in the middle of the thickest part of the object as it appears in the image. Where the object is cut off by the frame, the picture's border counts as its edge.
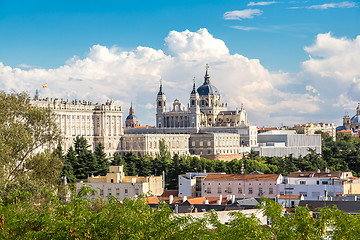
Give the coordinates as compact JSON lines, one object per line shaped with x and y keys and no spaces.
{"x":317,"y":185}
{"x":242,"y":186}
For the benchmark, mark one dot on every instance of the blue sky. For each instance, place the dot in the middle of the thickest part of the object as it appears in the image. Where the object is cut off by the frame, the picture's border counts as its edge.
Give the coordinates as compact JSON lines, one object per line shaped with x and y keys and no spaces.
{"x":46,"y":35}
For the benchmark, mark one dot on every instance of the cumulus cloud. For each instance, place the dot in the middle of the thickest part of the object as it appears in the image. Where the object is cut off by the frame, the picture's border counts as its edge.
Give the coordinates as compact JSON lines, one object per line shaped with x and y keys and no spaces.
{"x":242,"y":14}
{"x":334,"y":57}
{"x":333,"y":69}
{"x":134,"y":75}
{"x":261,"y":3}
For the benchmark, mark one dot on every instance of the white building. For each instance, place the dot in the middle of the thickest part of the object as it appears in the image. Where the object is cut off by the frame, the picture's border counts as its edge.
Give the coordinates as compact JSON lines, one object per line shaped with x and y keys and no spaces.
{"x":97,"y":123}
{"x":115,"y":183}
{"x":285,"y":142}
{"x":319,"y":185}
{"x":242,"y":186}
{"x":190,"y":183}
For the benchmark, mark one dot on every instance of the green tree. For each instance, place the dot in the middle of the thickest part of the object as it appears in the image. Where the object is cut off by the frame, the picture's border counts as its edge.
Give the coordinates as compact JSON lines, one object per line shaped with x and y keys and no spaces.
{"x":102,"y":162}
{"x":25,"y":132}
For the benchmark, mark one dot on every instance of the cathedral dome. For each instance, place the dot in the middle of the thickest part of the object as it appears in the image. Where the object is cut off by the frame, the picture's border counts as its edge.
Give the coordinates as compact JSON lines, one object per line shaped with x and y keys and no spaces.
{"x":355,"y":119}
{"x":131,"y":117}
{"x":207,"y":88}
{"x":131,"y":120}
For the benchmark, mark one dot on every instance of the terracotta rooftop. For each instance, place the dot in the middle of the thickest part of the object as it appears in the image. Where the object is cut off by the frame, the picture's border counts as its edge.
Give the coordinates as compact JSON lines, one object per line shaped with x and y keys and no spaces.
{"x":167,"y":193}
{"x":213,"y":200}
{"x":198,"y":200}
{"x":152,"y":200}
{"x":290,"y":197}
{"x":238,"y":177}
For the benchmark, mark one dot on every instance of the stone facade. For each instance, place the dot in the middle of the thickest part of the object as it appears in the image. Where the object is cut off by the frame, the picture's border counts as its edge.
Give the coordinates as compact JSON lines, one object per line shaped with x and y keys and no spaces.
{"x":97,"y":123}
{"x":205,"y":109}
{"x":148,"y":144}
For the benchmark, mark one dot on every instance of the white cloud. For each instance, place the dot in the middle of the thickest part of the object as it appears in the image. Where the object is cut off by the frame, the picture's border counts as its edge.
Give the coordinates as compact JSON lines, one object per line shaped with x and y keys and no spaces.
{"x":334,"y":57}
{"x":244,"y":28}
{"x":345,"y":4}
{"x":150,"y":106}
{"x":261,"y":3}
{"x":24,"y":65}
{"x":269,"y":97}
{"x":312,"y":89}
{"x":243,"y":14}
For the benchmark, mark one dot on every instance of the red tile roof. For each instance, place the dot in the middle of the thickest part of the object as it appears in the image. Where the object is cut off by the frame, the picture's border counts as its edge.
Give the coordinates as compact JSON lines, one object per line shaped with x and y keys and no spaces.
{"x":290,"y":197}
{"x":152,"y":200}
{"x":198,"y":200}
{"x":167,"y":193}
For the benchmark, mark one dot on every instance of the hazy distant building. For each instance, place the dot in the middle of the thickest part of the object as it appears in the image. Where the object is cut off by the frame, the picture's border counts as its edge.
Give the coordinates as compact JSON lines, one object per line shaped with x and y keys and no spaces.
{"x":353,"y":123}
{"x":311,"y":128}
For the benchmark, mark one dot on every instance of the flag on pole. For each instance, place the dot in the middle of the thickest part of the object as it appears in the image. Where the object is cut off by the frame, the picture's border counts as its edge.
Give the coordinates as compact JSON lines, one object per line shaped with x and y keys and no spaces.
{"x":45,"y":85}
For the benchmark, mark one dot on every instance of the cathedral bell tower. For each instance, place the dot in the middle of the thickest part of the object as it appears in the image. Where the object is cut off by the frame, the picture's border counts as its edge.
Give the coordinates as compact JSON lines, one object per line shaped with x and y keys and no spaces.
{"x":160,"y":107}
{"x":161,"y":100}
{"x":194,"y":100}
{"x":194,"y":108}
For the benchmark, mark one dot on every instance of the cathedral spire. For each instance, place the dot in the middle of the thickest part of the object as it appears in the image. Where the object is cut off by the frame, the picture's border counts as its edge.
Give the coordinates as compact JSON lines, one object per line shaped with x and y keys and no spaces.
{"x":160,"y":90}
{"x":131,"y":110}
{"x":207,"y":77}
{"x":194,"y":88}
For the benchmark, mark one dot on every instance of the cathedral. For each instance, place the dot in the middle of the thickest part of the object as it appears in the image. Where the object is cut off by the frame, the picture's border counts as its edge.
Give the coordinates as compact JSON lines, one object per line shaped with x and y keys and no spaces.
{"x":205,"y":109}
{"x":352,"y":123}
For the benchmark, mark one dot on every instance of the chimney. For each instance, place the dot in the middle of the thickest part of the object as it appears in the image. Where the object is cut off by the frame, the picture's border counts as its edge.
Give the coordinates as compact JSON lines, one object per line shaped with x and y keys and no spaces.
{"x":327,"y":170}
{"x":206,"y":201}
{"x":171,"y":199}
{"x":220,"y":200}
{"x":184,"y":198}
{"x":318,"y":171}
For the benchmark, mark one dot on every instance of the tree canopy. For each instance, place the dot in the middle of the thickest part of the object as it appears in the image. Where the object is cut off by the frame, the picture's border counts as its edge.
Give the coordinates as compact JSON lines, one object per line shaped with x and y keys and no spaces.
{"x":26,"y":132}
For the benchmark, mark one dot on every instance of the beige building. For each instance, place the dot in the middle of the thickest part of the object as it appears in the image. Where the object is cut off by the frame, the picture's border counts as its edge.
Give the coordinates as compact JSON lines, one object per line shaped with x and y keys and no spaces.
{"x":311,"y":128}
{"x":97,"y":123}
{"x":115,"y":183}
{"x":216,"y":145}
{"x":148,"y":144}
{"x":242,"y":186}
